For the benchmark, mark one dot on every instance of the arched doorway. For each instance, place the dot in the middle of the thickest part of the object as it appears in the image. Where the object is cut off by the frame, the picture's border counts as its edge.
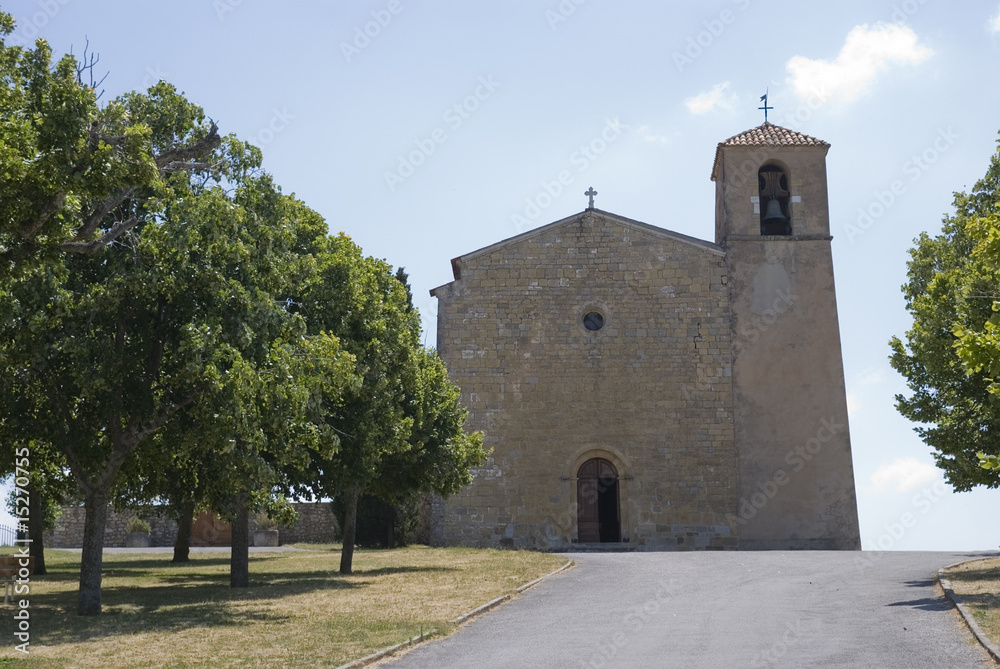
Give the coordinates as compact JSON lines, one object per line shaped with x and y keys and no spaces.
{"x":598,"y":519}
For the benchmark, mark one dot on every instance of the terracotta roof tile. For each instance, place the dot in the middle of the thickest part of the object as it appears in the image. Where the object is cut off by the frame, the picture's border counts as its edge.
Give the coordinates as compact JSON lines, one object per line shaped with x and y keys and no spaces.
{"x":767,"y":134}
{"x":770,"y":134}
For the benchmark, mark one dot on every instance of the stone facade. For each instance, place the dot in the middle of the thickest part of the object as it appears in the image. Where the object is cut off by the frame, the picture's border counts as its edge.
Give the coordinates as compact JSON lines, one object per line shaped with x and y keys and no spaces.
{"x":649,"y":392}
{"x":797,"y":478}
{"x":316,"y":524}
{"x":704,"y":379}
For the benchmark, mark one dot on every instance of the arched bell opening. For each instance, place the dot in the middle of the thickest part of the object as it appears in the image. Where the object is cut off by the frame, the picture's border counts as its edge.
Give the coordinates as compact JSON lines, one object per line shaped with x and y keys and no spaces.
{"x":775,"y":215}
{"x":598,"y":508}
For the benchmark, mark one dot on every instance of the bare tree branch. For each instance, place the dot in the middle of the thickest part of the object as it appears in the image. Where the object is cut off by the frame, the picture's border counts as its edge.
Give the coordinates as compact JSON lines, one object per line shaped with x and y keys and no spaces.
{"x":87,"y":65}
{"x":178,"y":165}
{"x":111,"y":235}
{"x":199,"y":149}
{"x":102,"y":210}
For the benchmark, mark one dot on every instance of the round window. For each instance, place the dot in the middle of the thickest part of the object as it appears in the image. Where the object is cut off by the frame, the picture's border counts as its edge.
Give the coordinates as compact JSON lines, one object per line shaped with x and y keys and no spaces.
{"x":593,"y":321}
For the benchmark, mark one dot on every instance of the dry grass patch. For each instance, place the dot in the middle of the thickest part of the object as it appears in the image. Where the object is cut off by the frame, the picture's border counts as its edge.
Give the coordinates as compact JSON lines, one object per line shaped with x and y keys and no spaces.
{"x":298,"y":611}
{"x":978,"y":583}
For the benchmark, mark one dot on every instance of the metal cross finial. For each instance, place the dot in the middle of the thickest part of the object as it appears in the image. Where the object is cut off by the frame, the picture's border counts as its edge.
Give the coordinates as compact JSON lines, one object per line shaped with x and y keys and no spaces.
{"x":591,"y":193}
{"x":763,"y":99}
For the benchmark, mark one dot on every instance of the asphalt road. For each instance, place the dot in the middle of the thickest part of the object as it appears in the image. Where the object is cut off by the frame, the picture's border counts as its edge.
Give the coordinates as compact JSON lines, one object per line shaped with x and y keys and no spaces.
{"x":723,"y":610}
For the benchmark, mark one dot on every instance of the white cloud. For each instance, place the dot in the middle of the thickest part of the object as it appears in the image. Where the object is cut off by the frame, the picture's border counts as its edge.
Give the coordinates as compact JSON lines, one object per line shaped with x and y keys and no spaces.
{"x":870,"y":377}
{"x":719,"y":97}
{"x":649,"y":135}
{"x":866,"y":51}
{"x":852,"y":405}
{"x":995,"y":23}
{"x":904,"y":474}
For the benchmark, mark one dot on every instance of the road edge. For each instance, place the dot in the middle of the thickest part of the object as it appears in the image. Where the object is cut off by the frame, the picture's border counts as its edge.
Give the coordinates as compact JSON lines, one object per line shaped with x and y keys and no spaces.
{"x":963,"y":611}
{"x":464,"y":618}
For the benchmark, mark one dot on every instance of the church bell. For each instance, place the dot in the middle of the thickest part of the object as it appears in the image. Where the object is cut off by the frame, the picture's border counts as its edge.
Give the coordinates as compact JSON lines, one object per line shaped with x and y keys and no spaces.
{"x":773,"y":213}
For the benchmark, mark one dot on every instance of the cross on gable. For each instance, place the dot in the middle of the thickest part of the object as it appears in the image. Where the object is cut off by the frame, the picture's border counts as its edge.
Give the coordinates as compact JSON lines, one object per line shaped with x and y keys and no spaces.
{"x":591,"y":193}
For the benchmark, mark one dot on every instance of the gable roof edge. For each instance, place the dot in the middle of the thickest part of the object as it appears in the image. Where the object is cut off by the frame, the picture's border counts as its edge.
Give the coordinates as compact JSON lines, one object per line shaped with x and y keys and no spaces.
{"x":456,"y":263}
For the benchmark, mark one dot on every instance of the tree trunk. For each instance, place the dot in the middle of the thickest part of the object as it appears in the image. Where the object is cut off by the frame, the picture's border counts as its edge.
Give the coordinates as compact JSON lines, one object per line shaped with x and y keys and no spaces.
{"x":239,"y":561}
{"x":96,"y":505}
{"x":350,"y":528}
{"x":36,"y":526}
{"x":182,"y":546}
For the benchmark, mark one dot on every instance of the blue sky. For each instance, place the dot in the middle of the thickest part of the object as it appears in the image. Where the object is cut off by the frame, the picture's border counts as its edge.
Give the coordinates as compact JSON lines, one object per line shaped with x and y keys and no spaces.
{"x":427,"y":130}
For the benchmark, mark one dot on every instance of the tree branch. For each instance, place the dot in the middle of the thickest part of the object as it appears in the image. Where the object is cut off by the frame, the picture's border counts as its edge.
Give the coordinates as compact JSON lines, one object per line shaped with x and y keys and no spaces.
{"x":128,"y":442}
{"x":178,"y":165}
{"x":94,"y":246}
{"x":199,"y":149}
{"x":31,"y":228}
{"x":102,"y":210}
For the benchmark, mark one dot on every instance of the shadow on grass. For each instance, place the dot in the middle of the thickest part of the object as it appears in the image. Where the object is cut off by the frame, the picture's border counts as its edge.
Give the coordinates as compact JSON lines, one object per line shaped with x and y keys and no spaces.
{"x":199,"y":600}
{"x":974,"y":575}
{"x":175,"y":599}
{"x":384,"y":571}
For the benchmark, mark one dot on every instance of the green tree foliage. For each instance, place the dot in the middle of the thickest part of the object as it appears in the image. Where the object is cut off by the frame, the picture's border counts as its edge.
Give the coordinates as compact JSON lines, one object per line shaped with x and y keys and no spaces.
{"x":167,"y":314}
{"x":988,"y":461}
{"x":951,"y":359}
{"x":178,"y":316}
{"x":401,"y":428}
{"x":69,"y":169}
{"x":236,"y":453}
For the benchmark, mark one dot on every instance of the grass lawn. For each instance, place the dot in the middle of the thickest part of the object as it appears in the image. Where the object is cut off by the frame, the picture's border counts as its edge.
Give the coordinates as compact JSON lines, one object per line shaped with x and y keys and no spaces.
{"x":298,"y":611}
{"x":979,"y":585}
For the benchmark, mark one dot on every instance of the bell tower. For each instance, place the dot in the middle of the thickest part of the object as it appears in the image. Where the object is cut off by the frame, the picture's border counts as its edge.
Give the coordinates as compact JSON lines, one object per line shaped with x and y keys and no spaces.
{"x":796,"y":487}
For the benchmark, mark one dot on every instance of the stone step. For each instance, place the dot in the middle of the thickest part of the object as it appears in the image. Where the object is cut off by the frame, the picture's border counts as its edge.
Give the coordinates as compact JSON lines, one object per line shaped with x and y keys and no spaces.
{"x":603,"y":547}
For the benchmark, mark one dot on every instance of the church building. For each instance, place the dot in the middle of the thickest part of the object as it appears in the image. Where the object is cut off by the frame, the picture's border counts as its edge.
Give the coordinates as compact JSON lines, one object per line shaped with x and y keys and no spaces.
{"x":641,"y":389}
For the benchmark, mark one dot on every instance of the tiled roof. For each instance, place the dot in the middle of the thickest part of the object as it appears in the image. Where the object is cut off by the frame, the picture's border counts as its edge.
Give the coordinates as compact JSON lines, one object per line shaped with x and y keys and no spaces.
{"x":770,"y":135}
{"x":767,"y":134}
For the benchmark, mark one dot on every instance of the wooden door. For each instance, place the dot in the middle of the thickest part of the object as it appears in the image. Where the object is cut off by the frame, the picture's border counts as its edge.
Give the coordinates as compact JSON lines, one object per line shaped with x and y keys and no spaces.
{"x":597,"y":502}
{"x":209,"y":530}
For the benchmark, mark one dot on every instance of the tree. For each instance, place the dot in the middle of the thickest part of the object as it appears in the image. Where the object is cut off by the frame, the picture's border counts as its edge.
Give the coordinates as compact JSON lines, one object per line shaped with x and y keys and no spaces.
{"x":177,"y":314}
{"x":951,"y":359}
{"x":439,"y":454}
{"x":271,"y":427}
{"x":358,"y":300}
{"x":36,"y":467}
{"x":243,"y":444}
{"x":401,"y":429}
{"x":69,"y":167}
{"x":48,"y":487}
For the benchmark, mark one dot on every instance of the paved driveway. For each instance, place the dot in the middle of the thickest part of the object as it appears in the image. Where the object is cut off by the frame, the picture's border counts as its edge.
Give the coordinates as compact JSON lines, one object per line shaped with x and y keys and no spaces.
{"x":722,"y":610}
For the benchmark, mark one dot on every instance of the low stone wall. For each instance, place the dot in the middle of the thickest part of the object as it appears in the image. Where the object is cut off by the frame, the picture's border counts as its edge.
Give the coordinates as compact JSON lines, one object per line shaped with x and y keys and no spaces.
{"x":316,"y":524}
{"x":68,"y":532}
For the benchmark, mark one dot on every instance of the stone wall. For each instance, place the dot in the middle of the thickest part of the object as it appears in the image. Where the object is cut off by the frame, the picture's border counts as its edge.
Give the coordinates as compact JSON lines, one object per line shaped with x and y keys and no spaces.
{"x":316,"y":524}
{"x":650,"y":391}
{"x":68,"y":532}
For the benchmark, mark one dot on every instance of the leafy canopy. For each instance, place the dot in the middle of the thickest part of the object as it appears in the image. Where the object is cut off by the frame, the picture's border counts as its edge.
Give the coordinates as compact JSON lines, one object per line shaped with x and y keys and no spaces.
{"x":951,"y":359}
{"x":69,"y":167}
